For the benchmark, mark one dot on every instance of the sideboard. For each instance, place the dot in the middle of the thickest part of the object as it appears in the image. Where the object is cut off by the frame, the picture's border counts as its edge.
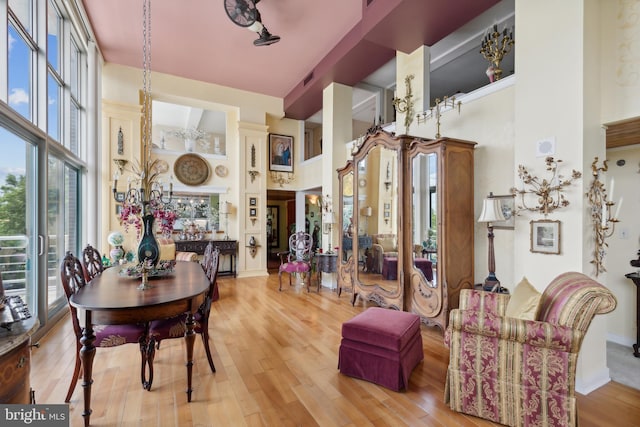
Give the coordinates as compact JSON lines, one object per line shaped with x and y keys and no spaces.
{"x":15,"y":362}
{"x":227,"y":247}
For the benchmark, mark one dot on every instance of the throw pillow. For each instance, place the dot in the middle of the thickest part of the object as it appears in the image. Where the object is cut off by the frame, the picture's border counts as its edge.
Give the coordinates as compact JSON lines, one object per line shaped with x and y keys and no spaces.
{"x":524,"y":301}
{"x":388,"y":243}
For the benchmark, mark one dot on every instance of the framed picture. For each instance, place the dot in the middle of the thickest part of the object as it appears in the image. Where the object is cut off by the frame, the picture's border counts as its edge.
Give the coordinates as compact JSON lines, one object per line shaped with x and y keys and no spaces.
{"x":120,"y":196}
{"x":387,"y":206}
{"x":118,"y":208}
{"x":280,"y":153}
{"x":387,"y":214}
{"x":253,"y":201}
{"x":253,"y":212}
{"x":507,"y":204}
{"x":545,"y":236}
{"x":272,"y":227}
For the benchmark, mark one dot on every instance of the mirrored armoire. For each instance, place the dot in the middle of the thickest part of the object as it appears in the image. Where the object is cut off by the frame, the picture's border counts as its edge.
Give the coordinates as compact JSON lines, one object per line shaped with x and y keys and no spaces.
{"x":407,"y":220}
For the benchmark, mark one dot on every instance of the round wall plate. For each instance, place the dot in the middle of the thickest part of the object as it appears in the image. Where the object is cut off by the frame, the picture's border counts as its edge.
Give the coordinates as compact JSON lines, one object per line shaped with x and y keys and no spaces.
{"x":191,"y":169}
{"x":221,"y":171}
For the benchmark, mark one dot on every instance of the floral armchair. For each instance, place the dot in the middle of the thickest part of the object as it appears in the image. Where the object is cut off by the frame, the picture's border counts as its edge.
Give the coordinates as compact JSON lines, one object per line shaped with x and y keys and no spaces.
{"x":384,"y":245}
{"x":521,"y":372}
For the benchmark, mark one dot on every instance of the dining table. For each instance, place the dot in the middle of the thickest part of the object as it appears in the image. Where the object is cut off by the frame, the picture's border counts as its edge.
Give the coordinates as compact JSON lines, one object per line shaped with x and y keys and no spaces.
{"x":114,"y":298}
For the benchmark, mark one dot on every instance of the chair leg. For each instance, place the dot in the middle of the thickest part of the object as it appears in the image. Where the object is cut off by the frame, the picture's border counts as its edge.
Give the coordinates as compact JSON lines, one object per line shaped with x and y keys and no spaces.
{"x":148,"y":351}
{"x":76,"y":374}
{"x":280,"y":280}
{"x":205,"y":341}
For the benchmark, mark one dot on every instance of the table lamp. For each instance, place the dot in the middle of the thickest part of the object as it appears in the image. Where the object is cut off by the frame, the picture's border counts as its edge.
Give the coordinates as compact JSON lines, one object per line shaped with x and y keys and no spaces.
{"x":491,"y":212}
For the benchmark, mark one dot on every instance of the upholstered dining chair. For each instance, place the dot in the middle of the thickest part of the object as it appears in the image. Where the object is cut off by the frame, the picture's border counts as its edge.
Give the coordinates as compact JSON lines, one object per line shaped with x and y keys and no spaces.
{"x":298,"y":259}
{"x":515,"y":371}
{"x":175,"y":327}
{"x":91,"y":263}
{"x":72,"y":276}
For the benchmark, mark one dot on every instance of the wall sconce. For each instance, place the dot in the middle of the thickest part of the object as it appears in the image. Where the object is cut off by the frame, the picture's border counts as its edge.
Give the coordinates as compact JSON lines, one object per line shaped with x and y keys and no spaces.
{"x":548,"y":193}
{"x":494,"y":47}
{"x":387,"y":182}
{"x":603,"y":223}
{"x":120,"y":163}
{"x":253,"y":174}
{"x":439,"y":107}
{"x":366,"y":212}
{"x":253,"y":247}
{"x":282,"y":177}
{"x":405,"y":105}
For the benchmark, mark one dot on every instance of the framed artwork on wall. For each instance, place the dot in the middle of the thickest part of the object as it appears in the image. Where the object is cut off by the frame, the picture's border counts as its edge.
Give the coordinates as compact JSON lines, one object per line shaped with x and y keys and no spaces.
{"x":280,"y":153}
{"x":253,"y":212}
{"x":253,"y":201}
{"x":545,"y":236}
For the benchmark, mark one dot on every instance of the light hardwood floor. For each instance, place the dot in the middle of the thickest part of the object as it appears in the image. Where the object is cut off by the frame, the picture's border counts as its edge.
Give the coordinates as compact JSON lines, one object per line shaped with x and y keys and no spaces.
{"x":276,"y":356}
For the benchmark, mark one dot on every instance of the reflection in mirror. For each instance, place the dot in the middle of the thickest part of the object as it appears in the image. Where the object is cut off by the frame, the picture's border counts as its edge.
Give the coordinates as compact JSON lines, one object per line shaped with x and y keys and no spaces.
{"x":424,"y":233}
{"x":197,"y":215}
{"x":347,"y":216}
{"x":377,"y":226}
{"x":181,"y":128}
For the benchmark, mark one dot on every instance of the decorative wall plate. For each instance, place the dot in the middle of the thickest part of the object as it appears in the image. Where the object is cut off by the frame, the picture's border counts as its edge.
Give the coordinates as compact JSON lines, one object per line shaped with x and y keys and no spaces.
{"x":191,"y":169}
{"x":221,"y":171}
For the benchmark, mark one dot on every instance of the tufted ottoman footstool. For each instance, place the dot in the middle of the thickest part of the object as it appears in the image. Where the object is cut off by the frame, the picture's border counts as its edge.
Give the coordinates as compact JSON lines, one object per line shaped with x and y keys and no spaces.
{"x":382,"y":346}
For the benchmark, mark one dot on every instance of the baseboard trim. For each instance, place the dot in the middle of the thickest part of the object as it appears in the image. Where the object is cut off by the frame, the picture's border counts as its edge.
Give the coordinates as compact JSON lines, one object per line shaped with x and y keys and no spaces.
{"x":594,"y":382}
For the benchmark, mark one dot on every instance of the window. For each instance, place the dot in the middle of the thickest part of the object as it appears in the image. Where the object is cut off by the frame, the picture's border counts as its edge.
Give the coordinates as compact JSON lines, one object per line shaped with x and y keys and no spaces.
{"x":45,"y":68}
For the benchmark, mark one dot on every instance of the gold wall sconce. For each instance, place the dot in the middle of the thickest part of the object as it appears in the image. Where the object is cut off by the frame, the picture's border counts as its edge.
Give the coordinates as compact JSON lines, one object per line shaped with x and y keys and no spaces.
{"x":603,"y":223}
{"x":253,"y":174}
{"x":548,"y":193}
{"x":282,"y":178}
{"x":121,"y":164}
{"x":405,"y":104}
{"x":495,"y":45}
{"x":439,"y":107}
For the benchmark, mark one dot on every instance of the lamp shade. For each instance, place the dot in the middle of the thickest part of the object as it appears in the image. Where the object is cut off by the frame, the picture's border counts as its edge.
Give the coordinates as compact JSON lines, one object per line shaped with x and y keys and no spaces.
{"x":327,"y":218}
{"x":224,"y":207}
{"x":491,"y":211}
{"x":367,"y":211}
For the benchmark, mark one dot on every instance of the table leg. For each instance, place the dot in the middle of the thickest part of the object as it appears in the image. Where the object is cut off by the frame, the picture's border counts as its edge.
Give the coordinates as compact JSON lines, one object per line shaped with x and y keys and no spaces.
{"x":190,"y":338}
{"x":87,"y":352}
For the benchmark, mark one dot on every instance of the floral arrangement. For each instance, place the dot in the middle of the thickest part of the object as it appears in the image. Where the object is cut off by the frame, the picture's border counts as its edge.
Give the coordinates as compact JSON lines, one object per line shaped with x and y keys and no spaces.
{"x":165,"y":218}
{"x":192,"y":133}
{"x":162,"y":269}
{"x":131,"y":215}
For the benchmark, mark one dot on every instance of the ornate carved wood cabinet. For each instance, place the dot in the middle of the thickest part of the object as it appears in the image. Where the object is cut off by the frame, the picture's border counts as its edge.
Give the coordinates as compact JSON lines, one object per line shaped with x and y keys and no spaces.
{"x":414,"y":198}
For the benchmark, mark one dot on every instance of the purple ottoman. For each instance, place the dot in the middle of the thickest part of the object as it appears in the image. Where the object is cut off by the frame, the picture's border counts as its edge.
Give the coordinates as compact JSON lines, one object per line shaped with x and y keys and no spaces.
{"x":382,"y":346}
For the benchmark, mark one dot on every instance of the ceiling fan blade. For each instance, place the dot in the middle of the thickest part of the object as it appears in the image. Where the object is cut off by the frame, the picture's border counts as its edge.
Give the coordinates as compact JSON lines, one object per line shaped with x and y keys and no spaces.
{"x":241,"y":12}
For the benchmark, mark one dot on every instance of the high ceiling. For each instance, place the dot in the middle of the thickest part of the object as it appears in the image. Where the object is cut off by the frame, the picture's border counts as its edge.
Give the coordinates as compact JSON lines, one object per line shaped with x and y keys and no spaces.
{"x":331,"y":40}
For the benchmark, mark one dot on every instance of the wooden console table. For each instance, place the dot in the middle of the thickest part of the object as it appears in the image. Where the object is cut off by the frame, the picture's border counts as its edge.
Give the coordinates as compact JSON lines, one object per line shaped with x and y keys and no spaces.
{"x":227,"y":247}
{"x":15,"y":361}
{"x":636,"y":280}
{"x":326,"y":263}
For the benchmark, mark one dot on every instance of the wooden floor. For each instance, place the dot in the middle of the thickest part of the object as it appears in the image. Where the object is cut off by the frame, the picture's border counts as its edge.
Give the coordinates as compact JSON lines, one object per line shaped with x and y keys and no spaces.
{"x":276,"y":355}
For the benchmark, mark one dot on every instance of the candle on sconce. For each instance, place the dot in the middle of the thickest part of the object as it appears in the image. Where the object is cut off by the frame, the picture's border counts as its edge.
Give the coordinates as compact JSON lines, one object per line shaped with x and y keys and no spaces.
{"x":604,"y":215}
{"x":171,"y":184}
{"x":611,"y":185}
{"x":618,"y":208}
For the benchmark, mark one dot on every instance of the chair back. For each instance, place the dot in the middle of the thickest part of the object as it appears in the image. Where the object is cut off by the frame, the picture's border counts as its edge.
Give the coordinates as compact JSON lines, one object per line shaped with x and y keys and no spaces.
{"x":573,"y":299}
{"x":300,"y":244}
{"x":212,"y":293}
{"x":91,"y":263}
{"x":206,"y":259}
{"x":72,"y":277}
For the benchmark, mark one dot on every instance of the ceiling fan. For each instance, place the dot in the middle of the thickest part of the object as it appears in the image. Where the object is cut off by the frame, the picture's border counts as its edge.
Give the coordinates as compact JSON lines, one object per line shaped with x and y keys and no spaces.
{"x":245,"y":14}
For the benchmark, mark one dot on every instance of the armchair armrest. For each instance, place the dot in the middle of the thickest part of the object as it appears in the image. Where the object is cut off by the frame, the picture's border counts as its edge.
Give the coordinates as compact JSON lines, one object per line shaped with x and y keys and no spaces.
{"x":527,"y":332}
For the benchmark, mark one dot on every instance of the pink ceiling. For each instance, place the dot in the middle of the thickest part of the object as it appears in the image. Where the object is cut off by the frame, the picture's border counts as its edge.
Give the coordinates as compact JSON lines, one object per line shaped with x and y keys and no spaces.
{"x":337,"y":40}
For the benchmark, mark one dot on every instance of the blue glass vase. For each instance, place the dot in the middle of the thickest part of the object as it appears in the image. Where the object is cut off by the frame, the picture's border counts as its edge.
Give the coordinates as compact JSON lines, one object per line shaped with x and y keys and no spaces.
{"x":148,"y":249}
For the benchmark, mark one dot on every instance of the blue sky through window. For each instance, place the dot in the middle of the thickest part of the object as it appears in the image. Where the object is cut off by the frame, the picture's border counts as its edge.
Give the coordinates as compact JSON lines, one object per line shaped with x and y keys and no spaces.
{"x":13,"y":157}
{"x":19,"y":73}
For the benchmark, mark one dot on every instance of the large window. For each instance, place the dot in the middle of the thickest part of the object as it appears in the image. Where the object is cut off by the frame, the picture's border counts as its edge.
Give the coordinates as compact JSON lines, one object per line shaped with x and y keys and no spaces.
{"x":41,"y":194}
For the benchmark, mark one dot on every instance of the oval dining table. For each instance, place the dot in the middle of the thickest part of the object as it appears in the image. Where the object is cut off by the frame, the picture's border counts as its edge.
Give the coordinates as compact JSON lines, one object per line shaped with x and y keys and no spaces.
{"x":114,"y":299}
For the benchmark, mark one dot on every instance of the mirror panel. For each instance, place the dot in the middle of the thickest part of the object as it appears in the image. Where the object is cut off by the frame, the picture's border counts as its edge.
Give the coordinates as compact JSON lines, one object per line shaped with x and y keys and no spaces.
{"x":346,"y":219}
{"x":379,"y":263}
{"x":424,"y":216}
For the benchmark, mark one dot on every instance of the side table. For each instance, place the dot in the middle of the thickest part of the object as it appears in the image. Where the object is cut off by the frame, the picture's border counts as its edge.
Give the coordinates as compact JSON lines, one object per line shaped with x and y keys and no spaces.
{"x":636,"y":280}
{"x":326,"y":263}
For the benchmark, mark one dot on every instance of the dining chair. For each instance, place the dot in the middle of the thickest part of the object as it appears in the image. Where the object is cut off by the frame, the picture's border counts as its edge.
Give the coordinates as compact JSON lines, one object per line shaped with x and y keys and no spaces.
{"x":175,"y":327}
{"x":72,"y":276}
{"x":298,"y":259}
{"x":91,"y":263}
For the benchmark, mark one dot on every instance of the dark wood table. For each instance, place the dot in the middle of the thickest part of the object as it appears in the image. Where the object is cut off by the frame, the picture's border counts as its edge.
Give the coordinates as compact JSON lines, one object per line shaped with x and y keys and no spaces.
{"x":636,"y":280}
{"x":110,"y":299}
{"x":227,"y":247}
